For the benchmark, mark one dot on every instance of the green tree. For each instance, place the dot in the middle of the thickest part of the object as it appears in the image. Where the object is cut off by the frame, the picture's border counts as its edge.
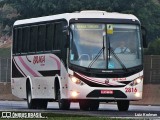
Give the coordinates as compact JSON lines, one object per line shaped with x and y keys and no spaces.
{"x":146,"y":10}
{"x":154,"y":48}
{"x":8,"y":15}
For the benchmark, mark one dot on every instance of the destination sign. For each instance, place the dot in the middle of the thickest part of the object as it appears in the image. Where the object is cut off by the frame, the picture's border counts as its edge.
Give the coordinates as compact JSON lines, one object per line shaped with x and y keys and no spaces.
{"x":88,"y":26}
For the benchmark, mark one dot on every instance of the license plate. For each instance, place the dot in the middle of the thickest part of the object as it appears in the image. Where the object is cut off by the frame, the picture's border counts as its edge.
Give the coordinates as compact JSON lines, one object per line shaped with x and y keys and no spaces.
{"x":106,"y":91}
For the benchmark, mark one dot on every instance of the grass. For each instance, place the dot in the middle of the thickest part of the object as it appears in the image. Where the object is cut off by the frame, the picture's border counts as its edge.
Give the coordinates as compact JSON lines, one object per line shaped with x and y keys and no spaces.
{"x":53,"y":116}
{"x":82,"y":118}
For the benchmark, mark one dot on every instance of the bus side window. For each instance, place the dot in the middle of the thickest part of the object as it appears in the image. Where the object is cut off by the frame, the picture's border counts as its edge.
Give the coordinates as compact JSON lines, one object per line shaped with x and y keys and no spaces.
{"x":58,"y":36}
{"x":41,"y":37}
{"x":49,"y":37}
{"x":33,"y":39}
{"x":19,"y":40}
{"x":15,"y":33}
{"x":26,"y":37}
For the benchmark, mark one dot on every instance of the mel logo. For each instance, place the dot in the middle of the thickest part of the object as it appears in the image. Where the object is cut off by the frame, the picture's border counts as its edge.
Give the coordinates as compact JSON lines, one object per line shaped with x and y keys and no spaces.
{"x":38,"y":59}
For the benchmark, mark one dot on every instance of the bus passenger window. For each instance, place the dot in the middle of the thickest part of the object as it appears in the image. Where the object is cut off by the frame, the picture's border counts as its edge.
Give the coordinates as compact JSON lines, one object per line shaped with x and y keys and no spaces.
{"x":19,"y":40}
{"x":26,"y":37}
{"x":41,"y":38}
{"x":49,"y":37}
{"x":33,"y":39}
{"x":58,"y":36}
{"x":15,"y":32}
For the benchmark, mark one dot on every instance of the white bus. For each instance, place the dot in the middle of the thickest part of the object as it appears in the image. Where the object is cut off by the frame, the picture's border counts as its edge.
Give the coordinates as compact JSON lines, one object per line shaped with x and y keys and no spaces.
{"x":78,"y":57}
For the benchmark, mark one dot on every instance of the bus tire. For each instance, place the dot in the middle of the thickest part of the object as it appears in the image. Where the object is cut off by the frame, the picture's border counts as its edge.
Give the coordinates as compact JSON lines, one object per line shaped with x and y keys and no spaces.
{"x":63,"y":104}
{"x":84,"y":105}
{"x":44,"y":104}
{"x":94,"y":105}
{"x":123,"y":105}
{"x":35,"y":103}
{"x":30,"y":102}
{"x":41,"y":104}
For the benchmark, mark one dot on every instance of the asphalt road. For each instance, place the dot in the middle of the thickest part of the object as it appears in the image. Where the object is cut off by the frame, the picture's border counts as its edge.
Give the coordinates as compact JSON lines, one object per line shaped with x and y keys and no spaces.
{"x":105,"y":110}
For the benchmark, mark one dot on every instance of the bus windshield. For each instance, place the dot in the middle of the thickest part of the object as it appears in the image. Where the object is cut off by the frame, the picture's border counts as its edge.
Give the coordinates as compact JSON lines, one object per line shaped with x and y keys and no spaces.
{"x":105,"y":46}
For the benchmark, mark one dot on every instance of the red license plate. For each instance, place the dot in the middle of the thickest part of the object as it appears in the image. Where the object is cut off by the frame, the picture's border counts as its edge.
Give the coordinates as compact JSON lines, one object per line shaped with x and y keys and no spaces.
{"x":106,"y":91}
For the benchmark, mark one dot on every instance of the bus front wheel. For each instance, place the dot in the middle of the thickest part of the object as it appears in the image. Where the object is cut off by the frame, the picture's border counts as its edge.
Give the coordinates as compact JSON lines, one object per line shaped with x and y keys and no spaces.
{"x":94,"y":105}
{"x":84,"y":104}
{"x":123,"y":105}
{"x":89,"y":105}
{"x":63,"y":104}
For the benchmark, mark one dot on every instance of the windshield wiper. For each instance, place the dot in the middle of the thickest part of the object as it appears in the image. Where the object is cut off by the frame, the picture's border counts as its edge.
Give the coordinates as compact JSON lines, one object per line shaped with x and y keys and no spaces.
{"x":97,"y":56}
{"x":117,"y":58}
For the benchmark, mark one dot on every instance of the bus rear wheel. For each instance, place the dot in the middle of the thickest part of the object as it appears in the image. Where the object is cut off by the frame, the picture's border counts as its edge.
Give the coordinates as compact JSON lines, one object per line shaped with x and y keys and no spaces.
{"x":30,"y":102}
{"x":35,"y":103}
{"x":123,"y":105}
{"x":41,"y":104}
{"x":63,"y":104}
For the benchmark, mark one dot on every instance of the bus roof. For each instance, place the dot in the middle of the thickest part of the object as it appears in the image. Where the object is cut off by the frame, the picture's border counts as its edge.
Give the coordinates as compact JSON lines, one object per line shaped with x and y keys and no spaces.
{"x":82,"y":14}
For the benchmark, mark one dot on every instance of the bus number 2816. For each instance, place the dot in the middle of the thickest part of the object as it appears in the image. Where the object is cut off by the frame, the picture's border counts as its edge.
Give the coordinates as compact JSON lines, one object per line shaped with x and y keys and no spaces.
{"x":129,"y":90}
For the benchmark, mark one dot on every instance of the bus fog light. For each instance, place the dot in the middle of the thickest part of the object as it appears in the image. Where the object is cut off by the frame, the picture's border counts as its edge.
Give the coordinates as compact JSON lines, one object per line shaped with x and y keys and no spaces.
{"x":137,"y":94}
{"x":74,"y":93}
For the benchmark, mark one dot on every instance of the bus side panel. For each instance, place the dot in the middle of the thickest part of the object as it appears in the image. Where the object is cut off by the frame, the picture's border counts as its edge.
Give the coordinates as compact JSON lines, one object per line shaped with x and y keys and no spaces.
{"x":41,"y":69}
{"x":18,"y":80}
{"x":43,"y":87}
{"x":18,"y":86}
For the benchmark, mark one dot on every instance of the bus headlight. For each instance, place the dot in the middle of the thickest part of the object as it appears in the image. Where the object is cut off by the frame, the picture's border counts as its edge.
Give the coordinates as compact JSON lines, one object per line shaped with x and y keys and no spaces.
{"x":136,"y":81}
{"x":76,"y":80}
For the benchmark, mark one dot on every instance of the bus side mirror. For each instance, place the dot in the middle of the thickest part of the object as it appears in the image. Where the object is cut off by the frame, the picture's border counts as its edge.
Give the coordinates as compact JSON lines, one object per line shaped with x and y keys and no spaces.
{"x":144,"y":38}
{"x":66,"y":35}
